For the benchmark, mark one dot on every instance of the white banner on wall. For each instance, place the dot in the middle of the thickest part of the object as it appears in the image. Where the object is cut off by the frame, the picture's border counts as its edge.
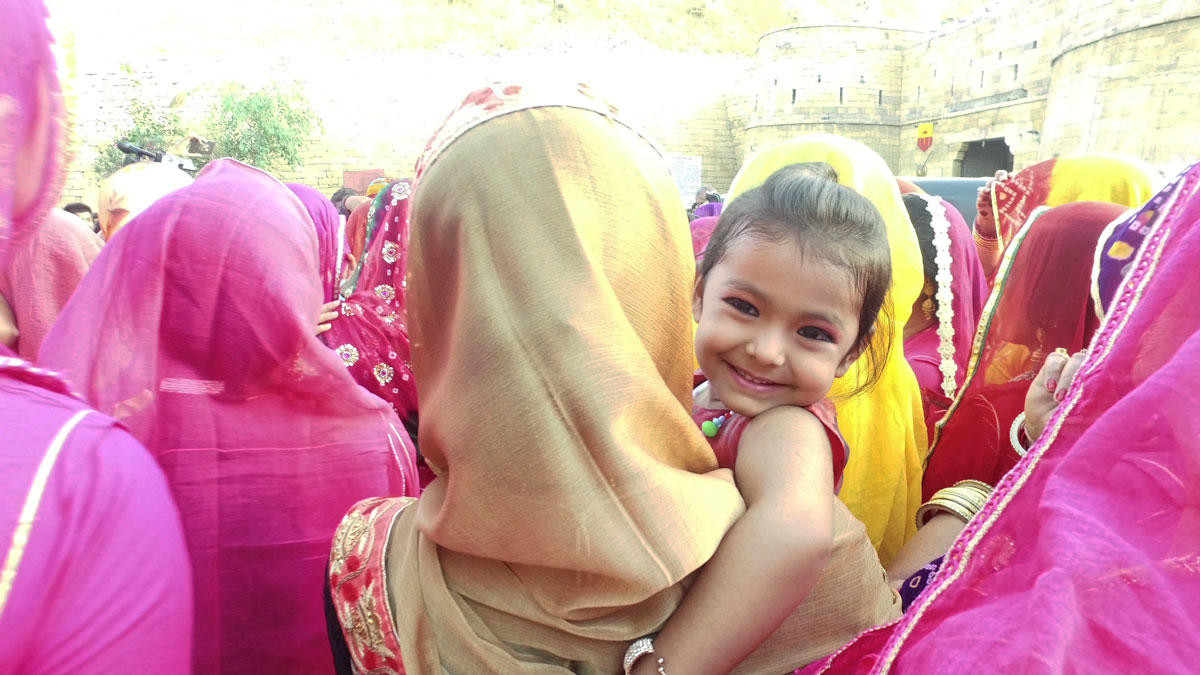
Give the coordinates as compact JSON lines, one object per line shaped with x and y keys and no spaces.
{"x":686,"y":169}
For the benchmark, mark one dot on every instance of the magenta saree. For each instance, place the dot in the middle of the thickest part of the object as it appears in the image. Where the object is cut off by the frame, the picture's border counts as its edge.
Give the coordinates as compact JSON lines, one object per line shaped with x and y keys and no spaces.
{"x":94,"y":574}
{"x":195,"y":329}
{"x":1085,"y":559}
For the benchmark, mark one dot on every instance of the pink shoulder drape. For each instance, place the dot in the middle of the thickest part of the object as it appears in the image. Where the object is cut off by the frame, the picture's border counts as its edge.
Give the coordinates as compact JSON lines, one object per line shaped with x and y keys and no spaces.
{"x":42,"y":272}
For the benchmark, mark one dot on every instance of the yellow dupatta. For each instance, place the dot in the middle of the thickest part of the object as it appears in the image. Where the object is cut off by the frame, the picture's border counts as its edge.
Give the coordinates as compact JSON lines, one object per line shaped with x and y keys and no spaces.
{"x":885,"y":426}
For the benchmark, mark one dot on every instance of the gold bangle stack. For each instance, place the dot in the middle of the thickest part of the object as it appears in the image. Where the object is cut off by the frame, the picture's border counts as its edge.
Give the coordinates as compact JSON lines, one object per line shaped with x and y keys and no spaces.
{"x":985,"y":243}
{"x":963,"y":500}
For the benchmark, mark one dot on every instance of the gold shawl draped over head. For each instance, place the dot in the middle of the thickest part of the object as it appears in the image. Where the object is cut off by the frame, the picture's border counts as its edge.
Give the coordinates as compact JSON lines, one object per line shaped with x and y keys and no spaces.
{"x":549,"y":297}
{"x":885,"y":426}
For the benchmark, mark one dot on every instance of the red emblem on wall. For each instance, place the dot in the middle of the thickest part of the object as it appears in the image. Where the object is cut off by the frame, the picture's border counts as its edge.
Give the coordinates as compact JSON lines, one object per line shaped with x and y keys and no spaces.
{"x":925,"y":136}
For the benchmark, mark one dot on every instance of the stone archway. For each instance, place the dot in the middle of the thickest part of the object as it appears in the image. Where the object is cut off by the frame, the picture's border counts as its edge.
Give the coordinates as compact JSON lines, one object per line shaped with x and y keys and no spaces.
{"x":983,"y":158}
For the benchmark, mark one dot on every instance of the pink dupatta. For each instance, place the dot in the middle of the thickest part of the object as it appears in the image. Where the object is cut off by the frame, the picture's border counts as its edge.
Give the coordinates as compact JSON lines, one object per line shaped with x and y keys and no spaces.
{"x":43,"y":271}
{"x":195,"y":329}
{"x":93,"y":572}
{"x":1085,"y":558}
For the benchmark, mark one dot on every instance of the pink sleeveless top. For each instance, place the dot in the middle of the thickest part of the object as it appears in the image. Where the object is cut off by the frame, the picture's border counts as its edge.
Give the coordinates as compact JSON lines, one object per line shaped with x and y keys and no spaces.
{"x":725,"y":442}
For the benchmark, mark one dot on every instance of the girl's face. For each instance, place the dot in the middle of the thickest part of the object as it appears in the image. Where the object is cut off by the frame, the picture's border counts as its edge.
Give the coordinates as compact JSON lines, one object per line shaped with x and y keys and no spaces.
{"x":775,"y":326}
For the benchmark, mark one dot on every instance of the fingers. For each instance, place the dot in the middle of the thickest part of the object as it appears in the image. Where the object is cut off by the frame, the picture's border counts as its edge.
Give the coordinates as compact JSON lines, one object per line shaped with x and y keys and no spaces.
{"x":1068,"y":374}
{"x":1001,"y":176}
{"x":329,"y":312}
{"x":1051,"y":375}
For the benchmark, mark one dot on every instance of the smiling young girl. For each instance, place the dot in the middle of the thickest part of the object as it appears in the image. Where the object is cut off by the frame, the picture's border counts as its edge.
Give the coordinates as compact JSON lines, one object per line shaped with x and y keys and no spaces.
{"x":786,"y":300}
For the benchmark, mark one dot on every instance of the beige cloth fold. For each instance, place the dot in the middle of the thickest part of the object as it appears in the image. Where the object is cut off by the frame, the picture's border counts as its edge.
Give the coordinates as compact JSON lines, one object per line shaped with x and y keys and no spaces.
{"x":549,"y":295}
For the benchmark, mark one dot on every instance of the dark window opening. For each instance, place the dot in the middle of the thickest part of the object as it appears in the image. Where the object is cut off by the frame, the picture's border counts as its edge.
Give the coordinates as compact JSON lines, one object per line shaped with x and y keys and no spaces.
{"x":841,"y":95}
{"x":818,"y":78}
{"x":981,"y":78}
{"x":1014,"y":71}
{"x":793,"y":97}
{"x":984,"y":158}
{"x":880,"y":97}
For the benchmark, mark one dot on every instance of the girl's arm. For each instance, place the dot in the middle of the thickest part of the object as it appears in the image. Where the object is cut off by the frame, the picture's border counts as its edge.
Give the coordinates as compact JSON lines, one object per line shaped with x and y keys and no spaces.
{"x":769,"y":560}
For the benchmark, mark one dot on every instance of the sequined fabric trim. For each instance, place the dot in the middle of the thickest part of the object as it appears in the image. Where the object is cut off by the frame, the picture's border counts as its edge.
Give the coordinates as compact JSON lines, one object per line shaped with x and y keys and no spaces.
{"x":358,"y":585}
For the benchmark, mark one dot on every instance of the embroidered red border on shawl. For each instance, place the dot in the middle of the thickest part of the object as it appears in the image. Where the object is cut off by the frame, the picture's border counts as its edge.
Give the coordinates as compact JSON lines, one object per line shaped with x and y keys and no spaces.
{"x":358,"y":585}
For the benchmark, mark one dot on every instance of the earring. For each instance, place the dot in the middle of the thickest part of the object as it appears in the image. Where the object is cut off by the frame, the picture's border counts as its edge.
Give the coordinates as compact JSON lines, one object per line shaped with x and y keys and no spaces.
{"x":927,"y":307}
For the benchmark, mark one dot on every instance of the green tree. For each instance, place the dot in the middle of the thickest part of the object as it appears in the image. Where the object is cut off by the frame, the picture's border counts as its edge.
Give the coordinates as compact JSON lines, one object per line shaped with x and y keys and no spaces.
{"x":152,"y":127}
{"x":265,"y":128}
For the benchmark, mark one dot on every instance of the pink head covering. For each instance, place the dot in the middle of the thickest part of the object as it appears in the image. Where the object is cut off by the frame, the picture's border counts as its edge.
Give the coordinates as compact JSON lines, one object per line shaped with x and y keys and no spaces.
{"x":330,"y":231}
{"x":195,"y":329}
{"x":1084,"y":559}
{"x":43,"y":270}
{"x":702,"y":231}
{"x":31,"y":127}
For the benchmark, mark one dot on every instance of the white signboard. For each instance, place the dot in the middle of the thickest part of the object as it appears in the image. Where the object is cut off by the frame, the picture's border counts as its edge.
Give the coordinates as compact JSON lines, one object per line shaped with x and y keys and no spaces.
{"x":685,"y":169}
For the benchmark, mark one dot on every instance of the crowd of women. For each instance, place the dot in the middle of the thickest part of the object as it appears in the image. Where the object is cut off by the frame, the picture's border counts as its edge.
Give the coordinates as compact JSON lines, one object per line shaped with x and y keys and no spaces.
{"x":842,"y":431}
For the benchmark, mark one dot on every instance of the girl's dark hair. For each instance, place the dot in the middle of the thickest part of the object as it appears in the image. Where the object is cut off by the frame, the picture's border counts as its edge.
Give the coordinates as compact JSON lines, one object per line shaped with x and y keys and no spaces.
{"x":804,"y":203}
{"x":922,"y":222}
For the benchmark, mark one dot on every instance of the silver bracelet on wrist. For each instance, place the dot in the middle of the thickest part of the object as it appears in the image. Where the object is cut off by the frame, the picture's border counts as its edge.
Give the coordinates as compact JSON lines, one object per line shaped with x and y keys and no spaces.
{"x":1014,"y":435}
{"x":639,"y":648}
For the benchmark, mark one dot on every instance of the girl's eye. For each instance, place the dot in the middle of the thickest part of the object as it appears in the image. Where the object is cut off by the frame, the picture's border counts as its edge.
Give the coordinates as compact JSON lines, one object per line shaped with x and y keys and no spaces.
{"x":814,"y":333}
{"x":742,"y":306}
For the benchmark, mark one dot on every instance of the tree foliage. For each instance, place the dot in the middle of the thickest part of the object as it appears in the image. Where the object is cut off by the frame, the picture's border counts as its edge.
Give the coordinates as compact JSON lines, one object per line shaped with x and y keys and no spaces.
{"x":265,"y":128}
{"x":152,"y":127}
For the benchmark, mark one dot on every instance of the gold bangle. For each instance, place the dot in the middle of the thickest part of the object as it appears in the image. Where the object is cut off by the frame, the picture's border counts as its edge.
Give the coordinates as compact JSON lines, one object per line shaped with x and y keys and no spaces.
{"x":954,"y":508}
{"x":971,"y":502}
{"x":982,"y":489}
{"x":985,"y":243}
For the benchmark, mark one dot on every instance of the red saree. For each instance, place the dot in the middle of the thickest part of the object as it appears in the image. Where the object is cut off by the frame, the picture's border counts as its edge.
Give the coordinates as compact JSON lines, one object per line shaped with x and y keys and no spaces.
{"x":1041,"y":302}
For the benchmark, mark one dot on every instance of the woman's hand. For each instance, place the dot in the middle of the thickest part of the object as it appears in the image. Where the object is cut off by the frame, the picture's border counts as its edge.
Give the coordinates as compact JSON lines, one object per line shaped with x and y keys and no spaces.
{"x":1048,"y":390}
{"x":8,"y":325}
{"x":985,"y":219}
{"x":329,"y":312}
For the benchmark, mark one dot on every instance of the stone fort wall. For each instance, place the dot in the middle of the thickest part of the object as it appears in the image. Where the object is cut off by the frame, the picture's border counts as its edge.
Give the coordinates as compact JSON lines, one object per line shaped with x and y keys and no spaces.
{"x":1052,"y":77}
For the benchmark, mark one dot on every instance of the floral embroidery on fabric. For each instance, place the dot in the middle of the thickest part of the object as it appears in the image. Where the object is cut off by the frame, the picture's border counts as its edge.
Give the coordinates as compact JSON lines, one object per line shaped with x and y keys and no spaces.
{"x":349,"y":354}
{"x":358,"y":585}
{"x":351,"y":309}
{"x":386,"y":292}
{"x":391,"y":318}
{"x":390,"y":252}
{"x":384,"y":373}
{"x":401,"y":190}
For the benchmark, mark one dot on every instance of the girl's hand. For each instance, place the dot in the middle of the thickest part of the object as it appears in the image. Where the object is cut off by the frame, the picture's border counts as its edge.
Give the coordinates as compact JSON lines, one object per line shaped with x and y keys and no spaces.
{"x":985,"y":220}
{"x":1049,"y":389}
{"x":329,"y":312}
